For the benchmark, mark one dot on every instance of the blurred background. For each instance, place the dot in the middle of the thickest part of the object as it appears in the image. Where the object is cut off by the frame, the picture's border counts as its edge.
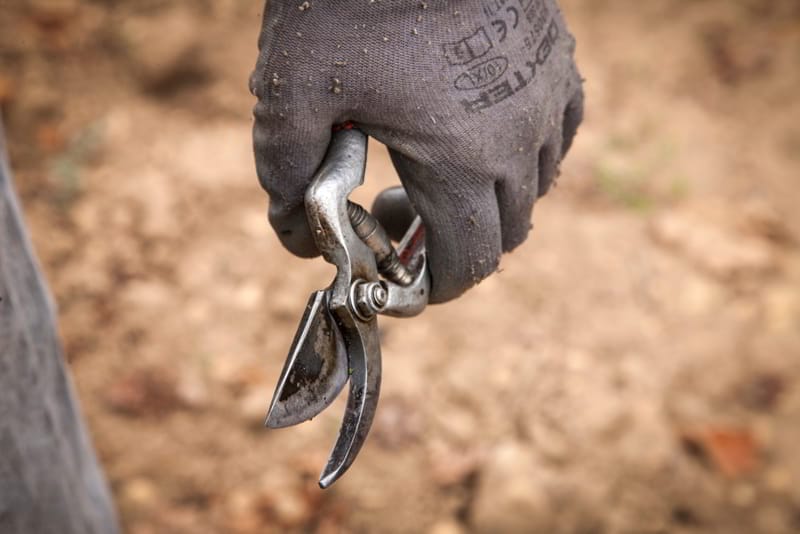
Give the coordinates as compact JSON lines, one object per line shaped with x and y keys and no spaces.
{"x":633,"y":368}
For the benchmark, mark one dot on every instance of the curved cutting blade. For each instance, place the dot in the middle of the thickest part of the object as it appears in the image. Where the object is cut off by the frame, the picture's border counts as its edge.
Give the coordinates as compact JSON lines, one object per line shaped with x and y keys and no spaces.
{"x":363,"y":343}
{"x":315,"y":371}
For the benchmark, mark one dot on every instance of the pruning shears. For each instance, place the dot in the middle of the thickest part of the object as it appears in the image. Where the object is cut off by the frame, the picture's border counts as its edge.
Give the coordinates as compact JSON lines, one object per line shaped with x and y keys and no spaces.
{"x":337,"y":340}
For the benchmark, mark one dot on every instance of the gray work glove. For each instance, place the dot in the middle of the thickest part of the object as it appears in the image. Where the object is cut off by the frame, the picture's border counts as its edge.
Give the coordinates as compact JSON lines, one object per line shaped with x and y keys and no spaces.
{"x":477,"y":101}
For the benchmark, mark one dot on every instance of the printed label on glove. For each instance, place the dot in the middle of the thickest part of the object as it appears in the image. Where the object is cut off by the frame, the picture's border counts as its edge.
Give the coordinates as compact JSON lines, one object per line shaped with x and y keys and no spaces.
{"x":482,"y":74}
{"x":469,"y":48}
{"x":540,"y":32}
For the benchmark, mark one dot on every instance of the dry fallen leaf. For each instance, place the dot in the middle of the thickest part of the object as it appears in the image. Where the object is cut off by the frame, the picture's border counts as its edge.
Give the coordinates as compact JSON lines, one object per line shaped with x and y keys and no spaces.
{"x":734,"y":451}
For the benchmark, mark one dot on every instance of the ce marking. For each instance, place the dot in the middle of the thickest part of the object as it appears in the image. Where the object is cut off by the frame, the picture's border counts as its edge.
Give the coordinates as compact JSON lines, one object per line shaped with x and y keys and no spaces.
{"x":500,"y":25}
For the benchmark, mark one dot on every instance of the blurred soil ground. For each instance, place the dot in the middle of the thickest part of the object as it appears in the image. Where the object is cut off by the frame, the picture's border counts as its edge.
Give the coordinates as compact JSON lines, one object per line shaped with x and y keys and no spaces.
{"x":634,"y":367}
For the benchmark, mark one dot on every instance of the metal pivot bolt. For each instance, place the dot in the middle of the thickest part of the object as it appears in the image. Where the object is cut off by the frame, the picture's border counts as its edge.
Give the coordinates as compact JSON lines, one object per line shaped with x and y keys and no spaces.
{"x":367,"y":299}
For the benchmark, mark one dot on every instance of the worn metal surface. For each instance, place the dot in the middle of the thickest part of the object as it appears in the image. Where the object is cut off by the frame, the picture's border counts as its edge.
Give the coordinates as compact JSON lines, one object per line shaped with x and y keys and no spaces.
{"x":375,"y":237}
{"x":326,"y":206}
{"x":353,"y":241}
{"x":316,"y":370}
{"x":411,"y":299}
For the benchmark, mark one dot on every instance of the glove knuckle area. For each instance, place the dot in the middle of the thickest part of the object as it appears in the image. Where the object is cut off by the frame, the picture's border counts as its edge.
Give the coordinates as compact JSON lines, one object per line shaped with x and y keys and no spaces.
{"x":286,"y":157}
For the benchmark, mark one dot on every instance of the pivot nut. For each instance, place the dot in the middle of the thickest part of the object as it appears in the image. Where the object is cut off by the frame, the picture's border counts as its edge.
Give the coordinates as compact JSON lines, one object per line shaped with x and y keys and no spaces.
{"x":367,"y":299}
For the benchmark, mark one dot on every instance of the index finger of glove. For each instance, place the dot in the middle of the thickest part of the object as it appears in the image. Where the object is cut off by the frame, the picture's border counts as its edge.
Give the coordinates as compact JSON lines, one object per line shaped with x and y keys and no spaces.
{"x":288,"y":153}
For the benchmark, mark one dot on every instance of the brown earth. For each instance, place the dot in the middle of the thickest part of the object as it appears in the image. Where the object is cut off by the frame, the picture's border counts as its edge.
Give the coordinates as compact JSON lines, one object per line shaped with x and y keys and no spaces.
{"x":634,"y":367}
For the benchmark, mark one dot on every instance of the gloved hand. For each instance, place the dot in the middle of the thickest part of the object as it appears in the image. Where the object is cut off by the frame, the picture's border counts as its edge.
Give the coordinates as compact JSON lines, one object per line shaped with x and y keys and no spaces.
{"x":477,"y":101}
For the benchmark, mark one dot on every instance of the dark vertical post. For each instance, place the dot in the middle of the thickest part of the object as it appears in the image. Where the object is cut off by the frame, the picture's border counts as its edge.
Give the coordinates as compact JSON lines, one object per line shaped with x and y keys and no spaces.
{"x":50,"y":480}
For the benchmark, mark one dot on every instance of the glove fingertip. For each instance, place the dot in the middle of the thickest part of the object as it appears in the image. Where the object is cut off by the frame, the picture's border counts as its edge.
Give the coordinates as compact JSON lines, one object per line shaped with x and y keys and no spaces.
{"x":293,"y":231}
{"x":394,"y":211}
